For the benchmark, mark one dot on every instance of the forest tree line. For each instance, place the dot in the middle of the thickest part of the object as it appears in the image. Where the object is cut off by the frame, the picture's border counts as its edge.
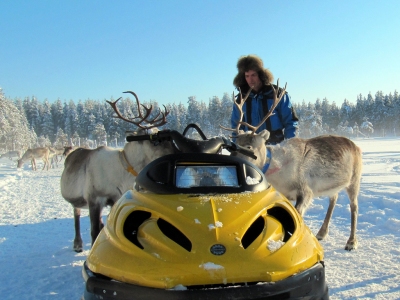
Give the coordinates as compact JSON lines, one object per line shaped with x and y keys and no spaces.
{"x":31,"y":123}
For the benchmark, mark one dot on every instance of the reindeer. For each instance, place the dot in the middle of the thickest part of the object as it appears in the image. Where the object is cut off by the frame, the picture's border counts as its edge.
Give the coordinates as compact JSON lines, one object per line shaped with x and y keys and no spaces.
{"x":94,"y":178}
{"x":11,"y":154}
{"x":59,"y":153}
{"x":302,"y":169}
{"x":53,"y":157}
{"x":33,"y":154}
{"x":69,"y":149}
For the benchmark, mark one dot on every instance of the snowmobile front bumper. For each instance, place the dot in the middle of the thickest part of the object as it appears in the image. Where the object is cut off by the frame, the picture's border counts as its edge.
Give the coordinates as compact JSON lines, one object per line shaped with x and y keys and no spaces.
{"x":309,"y":284}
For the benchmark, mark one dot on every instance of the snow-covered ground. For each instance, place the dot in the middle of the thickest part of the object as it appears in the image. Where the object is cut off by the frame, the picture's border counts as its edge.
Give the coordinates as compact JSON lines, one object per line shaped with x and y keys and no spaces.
{"x":36,"y":233}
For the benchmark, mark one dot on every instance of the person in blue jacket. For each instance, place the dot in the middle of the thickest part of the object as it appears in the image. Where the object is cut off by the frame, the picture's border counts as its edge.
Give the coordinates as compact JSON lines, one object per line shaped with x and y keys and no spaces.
{"x":283,"y":124}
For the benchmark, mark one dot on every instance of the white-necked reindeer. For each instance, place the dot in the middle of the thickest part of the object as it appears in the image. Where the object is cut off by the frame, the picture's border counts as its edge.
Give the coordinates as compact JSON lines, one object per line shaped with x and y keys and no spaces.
{"x":302,"y":169}
{"x":95,"y":178}
{"x":33,"y":154}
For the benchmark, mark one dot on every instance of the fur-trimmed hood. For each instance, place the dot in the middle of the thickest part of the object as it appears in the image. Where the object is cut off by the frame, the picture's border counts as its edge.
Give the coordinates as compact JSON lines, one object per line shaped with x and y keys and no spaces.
{"x":255,"y":63}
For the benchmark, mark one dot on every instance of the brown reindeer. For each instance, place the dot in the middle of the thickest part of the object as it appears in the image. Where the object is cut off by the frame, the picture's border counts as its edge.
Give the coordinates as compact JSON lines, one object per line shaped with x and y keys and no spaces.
{"x":302,"y":169}
{"x":95,"y":178}
{"x":59,"y":153}
{"x":53,"y":158}
{"x":33,"y":154}
{"x":69,"y":149}
{"x":54,"y":154}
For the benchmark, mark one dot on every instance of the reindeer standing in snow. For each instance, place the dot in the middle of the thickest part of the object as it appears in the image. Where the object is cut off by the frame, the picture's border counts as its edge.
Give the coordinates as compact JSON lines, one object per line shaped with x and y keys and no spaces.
{"x":96,"y":178}
{"x":68,"y":150}
{"x":33,"y":154}
{"x":53,"y":156}
{"x":302,"y":169}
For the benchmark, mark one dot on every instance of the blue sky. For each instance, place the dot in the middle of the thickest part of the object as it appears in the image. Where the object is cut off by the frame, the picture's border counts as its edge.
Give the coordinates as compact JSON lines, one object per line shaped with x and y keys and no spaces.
{"x":170,"y":50}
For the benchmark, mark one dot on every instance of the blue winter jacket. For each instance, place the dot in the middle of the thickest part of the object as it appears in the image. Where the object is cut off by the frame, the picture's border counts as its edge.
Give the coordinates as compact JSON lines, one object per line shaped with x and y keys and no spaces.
{"x":283,"y":118}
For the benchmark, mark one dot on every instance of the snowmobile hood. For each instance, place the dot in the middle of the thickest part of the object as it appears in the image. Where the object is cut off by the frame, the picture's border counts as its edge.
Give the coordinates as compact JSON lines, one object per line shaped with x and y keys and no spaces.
{"x":169,"y":240}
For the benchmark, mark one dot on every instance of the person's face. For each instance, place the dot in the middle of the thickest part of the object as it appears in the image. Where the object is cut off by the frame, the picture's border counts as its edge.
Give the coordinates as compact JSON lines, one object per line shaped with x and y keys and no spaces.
{"x":253,"y":80}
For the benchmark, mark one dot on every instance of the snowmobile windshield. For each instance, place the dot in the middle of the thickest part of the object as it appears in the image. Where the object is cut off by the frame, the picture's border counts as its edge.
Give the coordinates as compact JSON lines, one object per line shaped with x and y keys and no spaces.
{"x":202,"y":173}
{"x":205,"y":176}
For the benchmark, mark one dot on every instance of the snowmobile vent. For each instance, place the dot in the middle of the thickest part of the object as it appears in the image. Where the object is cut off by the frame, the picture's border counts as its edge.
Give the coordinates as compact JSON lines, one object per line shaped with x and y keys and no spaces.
{"x":174,"y":234}
{"x":253,"y":232}
{"x":285,"y":219}
{"x":132,"y":223}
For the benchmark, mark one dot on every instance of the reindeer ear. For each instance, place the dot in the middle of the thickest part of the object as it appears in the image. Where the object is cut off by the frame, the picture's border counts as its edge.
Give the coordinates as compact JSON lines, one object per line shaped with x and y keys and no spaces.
{"x":241,"y":131}
{"x":264,"y":134}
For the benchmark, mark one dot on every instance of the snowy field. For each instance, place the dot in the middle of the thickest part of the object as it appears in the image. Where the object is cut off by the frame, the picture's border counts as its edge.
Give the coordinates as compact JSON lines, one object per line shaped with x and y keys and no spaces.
{"x":36,"y":233}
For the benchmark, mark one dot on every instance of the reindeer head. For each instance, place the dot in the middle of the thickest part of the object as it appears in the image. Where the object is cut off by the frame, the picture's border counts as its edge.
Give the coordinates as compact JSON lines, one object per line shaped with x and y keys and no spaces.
{"x":159,"y":120}
{"x":254,"y":142}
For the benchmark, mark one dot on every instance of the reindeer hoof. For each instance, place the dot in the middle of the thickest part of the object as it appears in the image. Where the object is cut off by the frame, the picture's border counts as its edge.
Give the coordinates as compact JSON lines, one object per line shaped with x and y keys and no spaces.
{"x":351,"y":246}
{"x":78,"y":249}
{"x":321,"y":235}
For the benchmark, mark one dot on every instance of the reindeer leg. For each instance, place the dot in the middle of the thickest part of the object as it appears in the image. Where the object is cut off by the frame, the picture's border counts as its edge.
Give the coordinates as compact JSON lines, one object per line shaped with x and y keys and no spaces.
{"x":303,"y":200}
{"x":78,"y":239}
{"x":324,"y":228}
{"x":352,"y":241}
{"x":300,"y":205}
{"x":96,"y":223}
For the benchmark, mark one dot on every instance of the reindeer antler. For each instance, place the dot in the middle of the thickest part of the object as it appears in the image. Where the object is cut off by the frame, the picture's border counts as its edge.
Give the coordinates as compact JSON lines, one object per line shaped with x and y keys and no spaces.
{"x":148,"y":110}
{"x":276,"y":101}
{"x":278,"y":96}
{"x":239,"y":105}
{"x":157,"y":121}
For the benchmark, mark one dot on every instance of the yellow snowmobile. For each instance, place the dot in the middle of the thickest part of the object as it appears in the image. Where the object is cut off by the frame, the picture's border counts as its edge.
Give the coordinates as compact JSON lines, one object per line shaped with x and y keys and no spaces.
{"x":202,"y":225}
